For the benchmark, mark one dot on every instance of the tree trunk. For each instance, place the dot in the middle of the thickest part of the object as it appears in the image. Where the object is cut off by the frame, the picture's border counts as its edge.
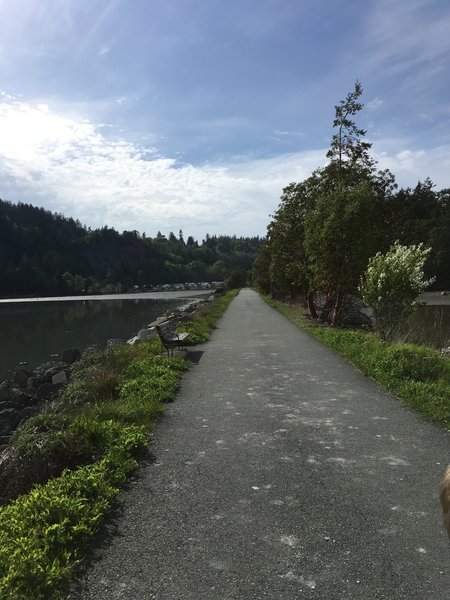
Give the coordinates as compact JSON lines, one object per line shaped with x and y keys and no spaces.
{"x":311,"y":305}
{"x":337,"y":306}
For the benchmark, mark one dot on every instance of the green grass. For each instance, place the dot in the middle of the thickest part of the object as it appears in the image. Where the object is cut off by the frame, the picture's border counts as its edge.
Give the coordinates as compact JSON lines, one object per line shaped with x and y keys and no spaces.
{"x":418,"y":375}
{"x":78,"y":455}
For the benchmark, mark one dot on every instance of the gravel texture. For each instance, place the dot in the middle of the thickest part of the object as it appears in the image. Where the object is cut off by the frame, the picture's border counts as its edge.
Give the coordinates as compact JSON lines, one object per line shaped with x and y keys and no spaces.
{"x":279,"y":472}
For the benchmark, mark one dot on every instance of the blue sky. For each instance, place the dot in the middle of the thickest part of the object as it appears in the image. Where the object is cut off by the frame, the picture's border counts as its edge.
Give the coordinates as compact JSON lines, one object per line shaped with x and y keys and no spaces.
{"x":194,"y":114}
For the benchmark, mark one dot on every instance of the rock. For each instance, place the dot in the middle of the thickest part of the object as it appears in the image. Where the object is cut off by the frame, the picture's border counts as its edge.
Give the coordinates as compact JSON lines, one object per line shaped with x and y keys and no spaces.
{"x":145,"y":334}
{"x":34,"y":382}
{"x":114,"y":342}
{"x":355,"y":314}
{"x":133,"y":341}
{"x":53,"y":369}
{"x":90,"y":350}
{"x":11,"y":404}
{"x":46,"y":390}
{"x":11,"y":394}
{"x":9,"y":419}
{"x":21,"y":377}
{"x":60,"y":378}
{"x":4,"y":391}
{"x":71,"y":355}
{"x":445,"y":351}
{"x":27,"y":412}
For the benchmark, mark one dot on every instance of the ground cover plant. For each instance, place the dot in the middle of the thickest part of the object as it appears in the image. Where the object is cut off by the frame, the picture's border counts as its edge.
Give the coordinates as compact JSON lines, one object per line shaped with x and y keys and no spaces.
{"x":71,"y":461}
{"x":418,"y":375}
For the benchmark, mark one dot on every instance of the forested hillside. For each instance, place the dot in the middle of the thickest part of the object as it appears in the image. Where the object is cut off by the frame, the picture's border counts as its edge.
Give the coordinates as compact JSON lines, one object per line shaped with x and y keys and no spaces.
{"x":42,"y":254}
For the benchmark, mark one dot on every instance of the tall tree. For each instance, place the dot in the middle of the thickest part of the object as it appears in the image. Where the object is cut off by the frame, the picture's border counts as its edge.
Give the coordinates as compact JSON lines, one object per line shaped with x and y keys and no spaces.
{"x":340,"y":237}
{"x":347,"y":150}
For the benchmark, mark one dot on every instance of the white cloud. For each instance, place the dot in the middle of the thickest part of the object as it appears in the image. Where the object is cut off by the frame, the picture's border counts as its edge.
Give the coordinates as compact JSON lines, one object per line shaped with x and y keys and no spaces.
{"x":104,"y":50}
{"x":374,"y":104}
{"x":70,"y":166}
{"x":412,"y":165}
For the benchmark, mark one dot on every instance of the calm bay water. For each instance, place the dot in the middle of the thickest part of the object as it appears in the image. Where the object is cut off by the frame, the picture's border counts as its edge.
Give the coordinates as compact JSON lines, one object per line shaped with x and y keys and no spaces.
{"x":32,"y":331}
{"x":430,"y":325}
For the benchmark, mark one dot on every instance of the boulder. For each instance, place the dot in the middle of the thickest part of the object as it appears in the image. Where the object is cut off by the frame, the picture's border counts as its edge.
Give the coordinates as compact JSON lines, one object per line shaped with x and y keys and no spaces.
{"x":70,"y":355}
{"x":9,"y":419}
{"x":46,"y":390}
{"x":60,"y":378}
{"x":354,"y":313}
{"x":53,"y":369}
{"x":21,"y":377}
{"x":12,"y":394}
{"x":11,"y":404}
{"x":34,"y":382}
{"x":5,"y":390}
{"x":145,"y":334}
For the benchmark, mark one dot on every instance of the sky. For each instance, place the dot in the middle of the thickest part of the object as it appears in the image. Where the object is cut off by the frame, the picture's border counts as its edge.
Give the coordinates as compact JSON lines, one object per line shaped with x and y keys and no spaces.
{"x":161,"y":115}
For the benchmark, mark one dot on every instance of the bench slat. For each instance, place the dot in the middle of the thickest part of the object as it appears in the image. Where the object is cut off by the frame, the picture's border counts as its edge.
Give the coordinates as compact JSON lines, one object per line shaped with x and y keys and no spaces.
{"x":169,"y":338}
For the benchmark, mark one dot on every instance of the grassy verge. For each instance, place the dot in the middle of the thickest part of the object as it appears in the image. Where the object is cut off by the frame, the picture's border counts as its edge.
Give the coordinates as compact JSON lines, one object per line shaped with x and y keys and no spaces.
{"x":204,"y":322}
{"x":82,"y":451}
{"x":419,"y":376}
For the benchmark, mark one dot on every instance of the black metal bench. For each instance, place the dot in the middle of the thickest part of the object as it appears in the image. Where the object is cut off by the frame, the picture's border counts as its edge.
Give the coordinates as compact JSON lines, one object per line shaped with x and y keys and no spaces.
{"x":170,"y":339}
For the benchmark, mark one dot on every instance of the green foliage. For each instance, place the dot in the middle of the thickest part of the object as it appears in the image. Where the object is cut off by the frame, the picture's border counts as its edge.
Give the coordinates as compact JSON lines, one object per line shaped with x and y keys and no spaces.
{"x":48,"y":254}
{"x":347,"y":149}
{"x":391,"y":284}
{"x":327,"y":226}
{"x":43,"y":534}
{"x":236,"y":280}
{"x":419,"y":376}
{"x":407,"y":361}
{"x":288,"y":268}
{"x":102,"y":429}
{"x":339,"y":239}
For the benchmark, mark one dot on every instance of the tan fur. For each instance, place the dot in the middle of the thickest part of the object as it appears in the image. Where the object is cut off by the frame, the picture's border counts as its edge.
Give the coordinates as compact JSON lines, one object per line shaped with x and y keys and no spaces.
{"x":444,"y":495}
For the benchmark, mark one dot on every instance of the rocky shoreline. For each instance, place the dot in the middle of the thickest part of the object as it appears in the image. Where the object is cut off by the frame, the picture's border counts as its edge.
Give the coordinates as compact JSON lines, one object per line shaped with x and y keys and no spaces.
{"x":30,"y":391}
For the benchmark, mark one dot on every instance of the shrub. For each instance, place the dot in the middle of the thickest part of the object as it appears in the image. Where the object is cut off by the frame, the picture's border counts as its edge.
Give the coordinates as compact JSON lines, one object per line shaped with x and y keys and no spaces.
{"x":391,"y":284}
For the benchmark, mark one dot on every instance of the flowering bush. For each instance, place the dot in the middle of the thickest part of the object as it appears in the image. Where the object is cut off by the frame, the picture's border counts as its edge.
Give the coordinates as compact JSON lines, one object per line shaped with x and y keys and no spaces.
{"x":391,"y":284}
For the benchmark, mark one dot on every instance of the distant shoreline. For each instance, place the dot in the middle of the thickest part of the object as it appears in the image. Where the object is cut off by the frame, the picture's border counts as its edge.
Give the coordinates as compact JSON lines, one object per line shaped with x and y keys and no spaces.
{"x":166,"y":295}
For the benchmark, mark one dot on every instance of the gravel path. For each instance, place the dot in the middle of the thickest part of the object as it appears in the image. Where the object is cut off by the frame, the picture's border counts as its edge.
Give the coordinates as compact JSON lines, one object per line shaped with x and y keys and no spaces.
{"x":279,"y":472}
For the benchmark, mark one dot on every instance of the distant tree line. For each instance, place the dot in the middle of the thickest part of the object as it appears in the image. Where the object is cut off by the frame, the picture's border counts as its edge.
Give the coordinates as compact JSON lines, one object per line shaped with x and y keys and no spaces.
{"x":42,"y":253}
{"x":327,"y":227}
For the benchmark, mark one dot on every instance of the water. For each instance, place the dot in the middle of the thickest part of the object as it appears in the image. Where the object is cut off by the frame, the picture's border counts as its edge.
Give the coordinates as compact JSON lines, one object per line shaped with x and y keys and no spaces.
{"x":430,"y":326}
{"x":32,"y":330}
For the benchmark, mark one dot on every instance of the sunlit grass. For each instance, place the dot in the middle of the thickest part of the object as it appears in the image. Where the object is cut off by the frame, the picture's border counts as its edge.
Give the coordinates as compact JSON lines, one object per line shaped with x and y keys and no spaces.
{"x":418,"y":375}
{"x":80,"y":456}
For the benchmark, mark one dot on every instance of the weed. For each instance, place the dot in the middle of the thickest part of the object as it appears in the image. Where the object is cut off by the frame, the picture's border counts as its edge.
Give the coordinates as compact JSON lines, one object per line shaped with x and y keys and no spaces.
{"x":80,"y":455}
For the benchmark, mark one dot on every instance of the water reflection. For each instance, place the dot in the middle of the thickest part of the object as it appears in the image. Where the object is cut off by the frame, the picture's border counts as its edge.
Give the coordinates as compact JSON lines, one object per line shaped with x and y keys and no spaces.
{"x":32,"y":332}
{"x":430,"y":326}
